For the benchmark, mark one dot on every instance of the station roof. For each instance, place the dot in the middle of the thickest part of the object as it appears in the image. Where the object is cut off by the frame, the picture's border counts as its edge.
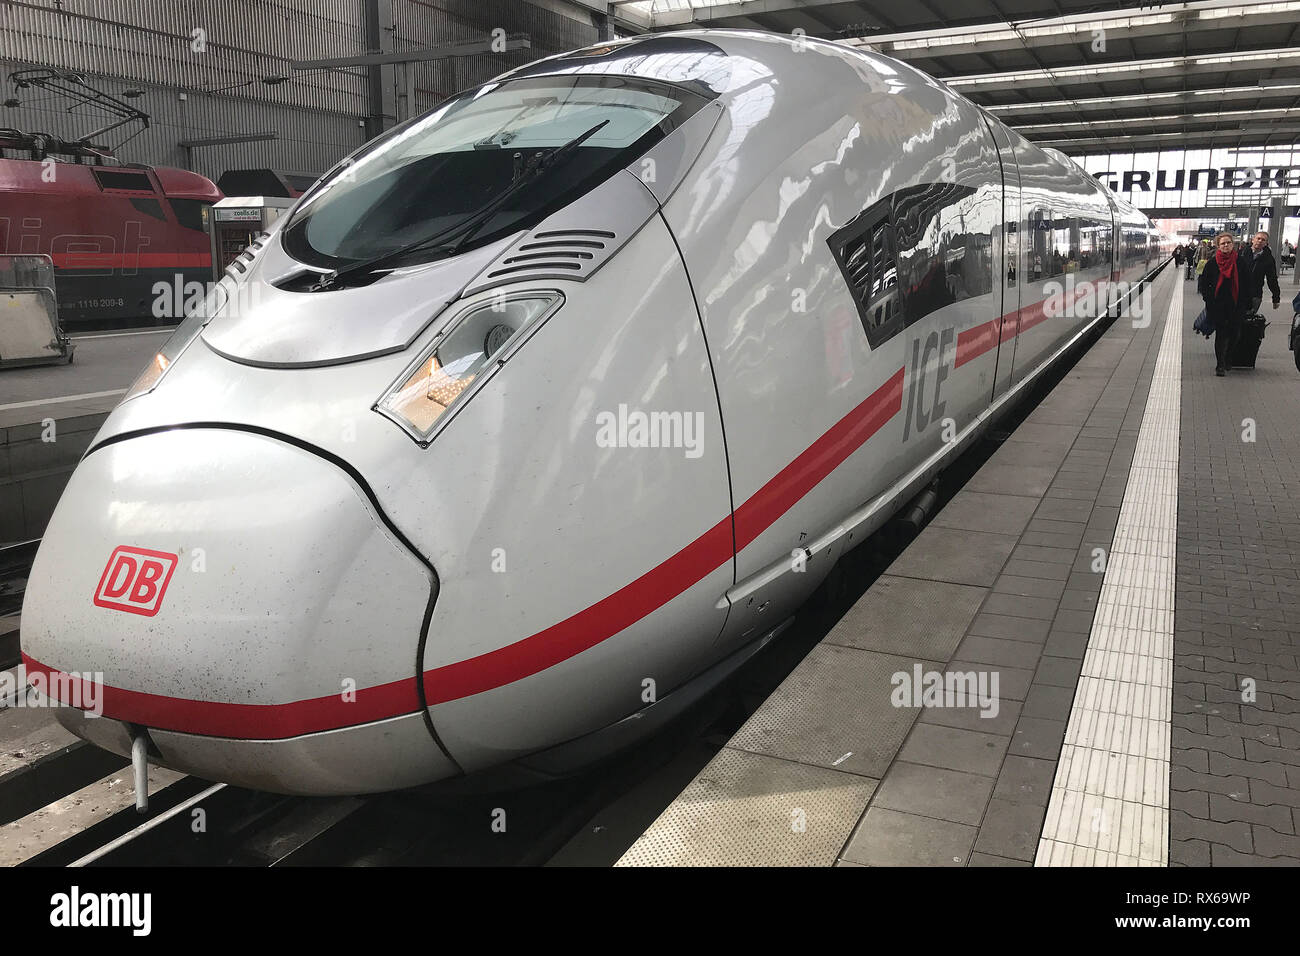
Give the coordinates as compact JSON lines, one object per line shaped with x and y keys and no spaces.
{"x":1079,"y":75}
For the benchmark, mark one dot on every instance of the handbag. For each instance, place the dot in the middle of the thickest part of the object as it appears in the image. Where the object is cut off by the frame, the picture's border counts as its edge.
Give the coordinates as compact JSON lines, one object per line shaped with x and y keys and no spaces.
{"x":1204,"y":324}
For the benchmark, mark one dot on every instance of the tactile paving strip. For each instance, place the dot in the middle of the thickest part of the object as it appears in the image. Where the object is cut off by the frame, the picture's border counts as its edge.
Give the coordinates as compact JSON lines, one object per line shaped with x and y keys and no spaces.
{"x":1110,"y":799}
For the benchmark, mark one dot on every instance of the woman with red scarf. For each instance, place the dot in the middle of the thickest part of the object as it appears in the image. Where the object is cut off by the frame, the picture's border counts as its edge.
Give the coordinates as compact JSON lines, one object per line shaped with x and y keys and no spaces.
{"x":1220,"y":287}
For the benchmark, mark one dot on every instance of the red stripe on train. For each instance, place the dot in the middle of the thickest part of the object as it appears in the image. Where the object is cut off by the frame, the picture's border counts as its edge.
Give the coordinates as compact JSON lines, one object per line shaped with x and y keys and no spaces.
{"x":132,"y":260}
{"x":240,"y":721}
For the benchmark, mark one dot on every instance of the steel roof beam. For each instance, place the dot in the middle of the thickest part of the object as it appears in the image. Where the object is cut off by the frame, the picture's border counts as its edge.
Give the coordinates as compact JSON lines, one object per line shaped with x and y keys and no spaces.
{"x":1177,"y":140}
{"x":1165,"y":66}
{"x":1075,"y":31}
{"x":1234,"y":120}
{"x":1012,"y":113}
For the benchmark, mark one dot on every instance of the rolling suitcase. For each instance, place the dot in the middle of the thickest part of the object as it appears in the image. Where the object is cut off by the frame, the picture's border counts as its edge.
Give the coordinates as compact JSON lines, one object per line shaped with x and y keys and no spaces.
{"x":1246,"y":347}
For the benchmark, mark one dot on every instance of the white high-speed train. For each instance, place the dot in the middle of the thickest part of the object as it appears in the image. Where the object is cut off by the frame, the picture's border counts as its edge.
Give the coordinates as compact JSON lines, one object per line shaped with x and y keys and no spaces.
{"x":542,"y":411}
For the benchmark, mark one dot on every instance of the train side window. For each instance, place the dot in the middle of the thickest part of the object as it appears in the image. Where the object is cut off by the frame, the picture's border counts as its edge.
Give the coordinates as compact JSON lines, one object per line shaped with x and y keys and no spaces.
{"x":944,"y":250}
{"x":1011,"y":241}
{"x":1060,"y":244}
{"x":123,"y":179}
{"x":1042,"y":260}
{"x":189,"y":213}
{"x":865,"y":252}
{"x":1087,"y":243}
{"x":1073,"y":228}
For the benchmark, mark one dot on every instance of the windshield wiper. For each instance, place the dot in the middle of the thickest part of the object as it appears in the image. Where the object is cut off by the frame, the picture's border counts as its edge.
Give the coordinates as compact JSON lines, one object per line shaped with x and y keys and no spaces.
{"x":463,"y":231}
{"x":548,"y":161}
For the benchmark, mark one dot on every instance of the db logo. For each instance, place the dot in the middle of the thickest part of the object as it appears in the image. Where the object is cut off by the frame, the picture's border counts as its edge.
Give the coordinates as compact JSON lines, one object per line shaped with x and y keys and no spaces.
{"x":135,"y":580}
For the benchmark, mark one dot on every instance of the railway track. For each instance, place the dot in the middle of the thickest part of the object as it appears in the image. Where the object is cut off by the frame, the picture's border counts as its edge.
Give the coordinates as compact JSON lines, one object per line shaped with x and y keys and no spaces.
{"x":197,"y":823}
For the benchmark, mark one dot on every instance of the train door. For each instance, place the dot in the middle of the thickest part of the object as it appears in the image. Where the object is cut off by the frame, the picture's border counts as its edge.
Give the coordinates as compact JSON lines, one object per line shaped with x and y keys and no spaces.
{"x":1009,"y":252}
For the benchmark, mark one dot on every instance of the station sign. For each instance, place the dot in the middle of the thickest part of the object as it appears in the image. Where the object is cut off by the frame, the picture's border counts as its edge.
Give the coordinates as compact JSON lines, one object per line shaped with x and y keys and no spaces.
{"x":1224,"y":177}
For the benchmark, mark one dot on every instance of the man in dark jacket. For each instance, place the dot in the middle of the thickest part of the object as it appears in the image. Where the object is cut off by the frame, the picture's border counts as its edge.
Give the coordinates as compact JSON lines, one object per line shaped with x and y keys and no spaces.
{"x":1258,"y":266}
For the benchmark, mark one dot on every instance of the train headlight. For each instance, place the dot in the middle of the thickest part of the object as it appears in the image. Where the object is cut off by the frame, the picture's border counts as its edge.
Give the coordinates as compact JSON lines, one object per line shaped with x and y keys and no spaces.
{"x":462,"y":358}
{"x":180,"y":340}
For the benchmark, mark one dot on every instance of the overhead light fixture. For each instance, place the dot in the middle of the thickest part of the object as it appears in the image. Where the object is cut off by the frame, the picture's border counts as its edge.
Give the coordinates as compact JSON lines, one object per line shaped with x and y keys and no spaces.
{"x":133,"y":94}
{"x":274,"y":80}
{"x":1268,"y":81}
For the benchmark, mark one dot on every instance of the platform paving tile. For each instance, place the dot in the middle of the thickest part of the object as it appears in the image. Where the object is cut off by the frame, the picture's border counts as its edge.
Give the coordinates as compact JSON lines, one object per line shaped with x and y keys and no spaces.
{"x":891,"y":838}
{"x":1066,"y":644}
{"x":995,"y":652}
{"x":935,"y":792}
{"x":1048,"y":702}
{"x":969,"y":751}
{"x":1012,"y":479}
{"x":1013,"y":682}
{"x":1025,"y":780}
{"x":1008,"y":627}
{"x":1028,"y":587}
{"x":981,"y":511}
{"x":1010,"y":829}
{"x":955,"y":556}
{"x":985,"y":859}
{"x":999,"y":719}
{"x":1017,"y":607}
{"x":1037,"y":569}
{"x":1237,"y":610}
{"x":1038,"y":737}
{"x":926,"y":619}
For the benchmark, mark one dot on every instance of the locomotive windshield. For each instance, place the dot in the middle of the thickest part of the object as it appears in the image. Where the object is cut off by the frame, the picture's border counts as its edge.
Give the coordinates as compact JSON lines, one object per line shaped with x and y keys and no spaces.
{"x":492,"y":161}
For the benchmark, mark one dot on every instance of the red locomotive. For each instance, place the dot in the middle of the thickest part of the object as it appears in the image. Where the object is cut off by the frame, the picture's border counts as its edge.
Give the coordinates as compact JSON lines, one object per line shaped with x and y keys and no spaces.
{"x":112,"y":229}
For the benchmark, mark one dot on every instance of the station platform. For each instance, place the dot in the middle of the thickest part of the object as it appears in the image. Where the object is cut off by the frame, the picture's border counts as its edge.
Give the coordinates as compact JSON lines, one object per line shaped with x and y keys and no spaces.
{"x":1118,"y":585}
{"x":50,"y":414}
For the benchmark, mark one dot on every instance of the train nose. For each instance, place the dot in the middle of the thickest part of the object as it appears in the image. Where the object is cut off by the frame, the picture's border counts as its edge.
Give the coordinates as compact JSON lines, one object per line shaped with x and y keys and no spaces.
{"x":244,"y":600}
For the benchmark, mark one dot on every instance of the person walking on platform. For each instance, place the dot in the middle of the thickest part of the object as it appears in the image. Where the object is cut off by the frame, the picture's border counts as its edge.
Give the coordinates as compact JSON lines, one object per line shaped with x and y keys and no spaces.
{"x":1204,"y":252}
{"x":1223,"y":290}
{"x":1258,"y":266}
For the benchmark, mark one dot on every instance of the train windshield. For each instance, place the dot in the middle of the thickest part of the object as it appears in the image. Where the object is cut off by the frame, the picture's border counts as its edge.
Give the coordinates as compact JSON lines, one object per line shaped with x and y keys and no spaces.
{"x":488,"y":163}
